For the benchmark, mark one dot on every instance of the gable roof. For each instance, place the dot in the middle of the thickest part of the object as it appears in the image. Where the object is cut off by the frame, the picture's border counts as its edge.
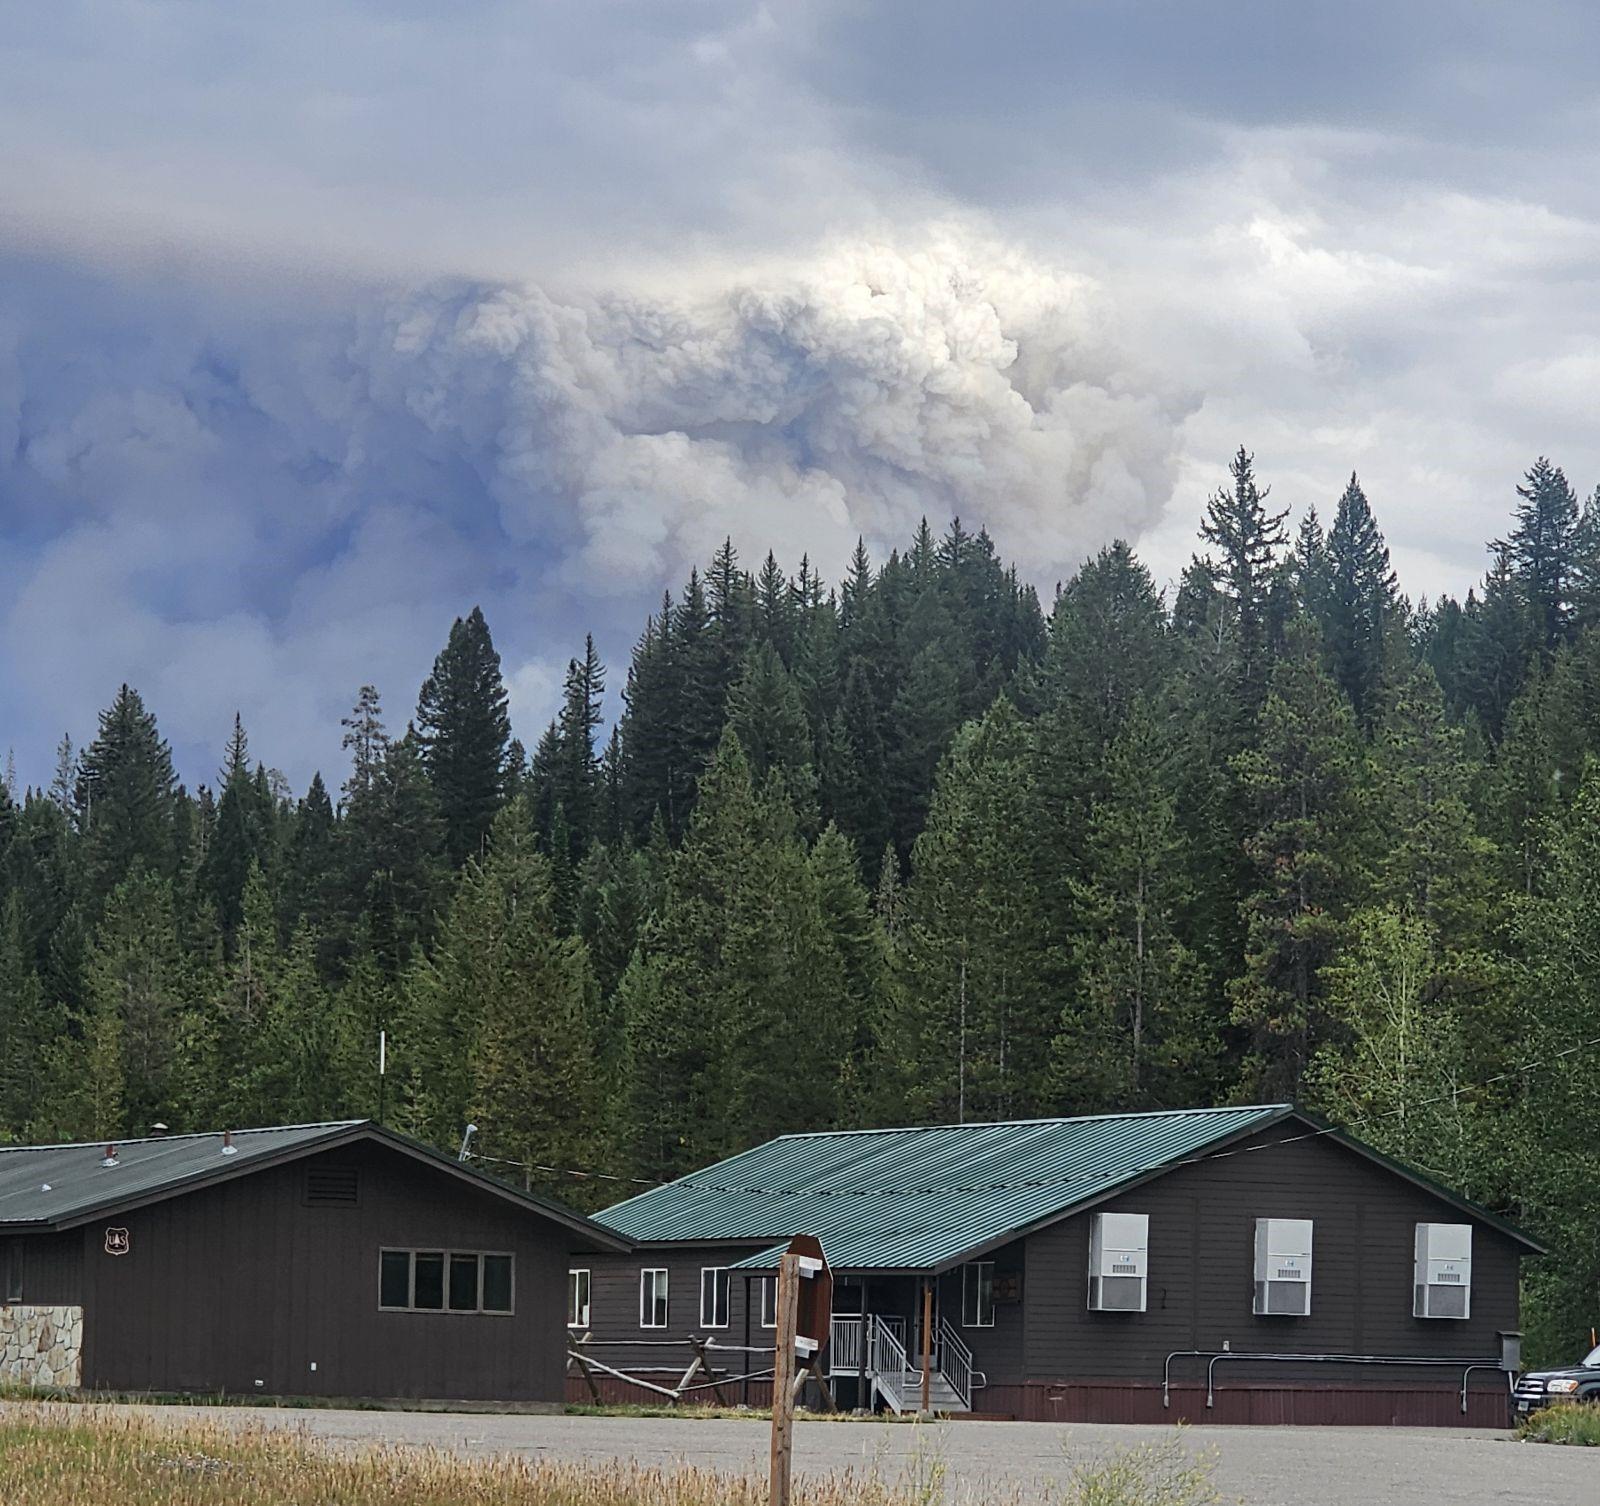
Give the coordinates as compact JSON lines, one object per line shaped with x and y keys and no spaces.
{"x":61,"y":1186}
{"x":902,"y":1199}
{"x":928,"y":1198}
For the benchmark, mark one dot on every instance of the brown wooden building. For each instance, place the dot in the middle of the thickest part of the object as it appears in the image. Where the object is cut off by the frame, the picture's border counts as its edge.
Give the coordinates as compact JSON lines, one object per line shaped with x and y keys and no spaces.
{"x":1100,"y":1269}
{"x":331,"y":1260}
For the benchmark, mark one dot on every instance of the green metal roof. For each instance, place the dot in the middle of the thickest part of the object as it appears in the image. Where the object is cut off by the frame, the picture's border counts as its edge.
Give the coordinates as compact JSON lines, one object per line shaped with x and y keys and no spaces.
{"x":921,"y":1199}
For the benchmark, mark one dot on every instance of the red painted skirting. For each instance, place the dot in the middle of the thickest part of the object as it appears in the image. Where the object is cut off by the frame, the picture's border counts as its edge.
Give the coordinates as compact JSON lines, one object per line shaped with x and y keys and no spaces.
{"x":1437,"y":1406}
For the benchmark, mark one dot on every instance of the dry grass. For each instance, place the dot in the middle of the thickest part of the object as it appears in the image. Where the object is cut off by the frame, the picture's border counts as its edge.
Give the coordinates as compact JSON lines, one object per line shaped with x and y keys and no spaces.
{"x":52,"y":1455}
{"x":81,"y":1456}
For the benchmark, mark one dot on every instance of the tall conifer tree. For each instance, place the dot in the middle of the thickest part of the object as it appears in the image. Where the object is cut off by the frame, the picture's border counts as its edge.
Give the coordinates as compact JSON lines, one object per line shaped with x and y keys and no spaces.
{"x":463,"y":732}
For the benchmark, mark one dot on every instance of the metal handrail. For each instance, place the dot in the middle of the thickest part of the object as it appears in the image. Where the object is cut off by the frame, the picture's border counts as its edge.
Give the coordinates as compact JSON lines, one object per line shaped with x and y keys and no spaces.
{"x":1214,"y":1357}
{"x":844,"y":1343}
{"x":955,"y":1361}
{"x":883,"y":1345}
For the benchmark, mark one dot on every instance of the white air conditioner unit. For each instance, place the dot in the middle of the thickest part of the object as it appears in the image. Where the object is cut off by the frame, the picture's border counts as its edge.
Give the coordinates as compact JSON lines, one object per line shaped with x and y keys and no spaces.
{"x":1444,"y":1271}
{"x":1283,"y":1267}
{"x":1119,"y":1252}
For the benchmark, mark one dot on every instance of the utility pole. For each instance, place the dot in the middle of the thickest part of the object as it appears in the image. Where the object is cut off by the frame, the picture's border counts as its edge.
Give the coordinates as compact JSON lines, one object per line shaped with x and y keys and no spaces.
{"x":783,"y":1379}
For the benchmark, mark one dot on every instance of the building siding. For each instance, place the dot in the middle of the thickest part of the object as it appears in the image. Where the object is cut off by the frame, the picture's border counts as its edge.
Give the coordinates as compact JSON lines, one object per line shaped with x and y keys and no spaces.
{"x":46,"y":1269}
{"x":1202,"y":1227}
{"x":242,"y":1287}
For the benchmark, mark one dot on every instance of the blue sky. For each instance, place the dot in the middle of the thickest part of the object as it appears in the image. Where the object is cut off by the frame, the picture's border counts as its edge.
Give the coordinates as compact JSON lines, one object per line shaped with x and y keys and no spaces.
{"x":321,"y":322}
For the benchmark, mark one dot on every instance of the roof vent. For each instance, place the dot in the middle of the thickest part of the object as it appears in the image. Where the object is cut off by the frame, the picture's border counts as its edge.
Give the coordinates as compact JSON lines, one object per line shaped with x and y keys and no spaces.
{"x":332,"y":1186}
{"x":111,"y":1157}
{"x":44,"y":1187}
{"x":228,"y":1147}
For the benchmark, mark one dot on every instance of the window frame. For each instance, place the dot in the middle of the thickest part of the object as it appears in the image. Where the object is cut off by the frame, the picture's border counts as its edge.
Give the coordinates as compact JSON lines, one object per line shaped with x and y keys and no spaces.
{"x":726,"y":1293}
{"x":769,"y":1295}
{"x":578,"y":1317}
{"x":972,"y":1295}
{"x":664,"y":1296}
{"x":448,"y":1258}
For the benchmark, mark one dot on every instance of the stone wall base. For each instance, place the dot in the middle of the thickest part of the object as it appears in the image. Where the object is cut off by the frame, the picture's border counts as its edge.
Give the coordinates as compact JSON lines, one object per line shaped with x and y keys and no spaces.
{"x":41,"y":1346}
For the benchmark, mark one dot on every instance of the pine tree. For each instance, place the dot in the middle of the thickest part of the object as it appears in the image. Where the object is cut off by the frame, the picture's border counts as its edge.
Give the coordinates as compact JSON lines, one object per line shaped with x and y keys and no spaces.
{"x":1362,"y":602}
{"x":242,"y":835}
{"x":365,"y":740}
{"x":1299,"y":783}
{"x":974,"y":1039}
{"x":1586,"y":566}
{"x":1548,"y":1179}
{"x":127,"y":1064}
{"x":1541,"y":553}
{"x":27,"y":1025}
{"x":464,"y":732}
{"x":1136,"y":1032}
{"x":124,"y":796}
{"x":1433,"y":862}
{"x":575,"y":776}
{"x":309,"y":862}
{"x":849,"y":920}
{"x":1247,"y":538}
{"x":766,"y":714}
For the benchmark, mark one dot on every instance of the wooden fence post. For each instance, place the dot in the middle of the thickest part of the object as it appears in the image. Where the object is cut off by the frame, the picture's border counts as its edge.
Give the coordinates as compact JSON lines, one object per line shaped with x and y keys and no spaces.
{"x":783,"y":1379}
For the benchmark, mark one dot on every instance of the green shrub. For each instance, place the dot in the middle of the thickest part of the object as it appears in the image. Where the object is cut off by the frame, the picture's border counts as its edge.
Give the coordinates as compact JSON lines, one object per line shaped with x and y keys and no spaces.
{"x":1149,"y":1474}
{"x":1567,"y":1422}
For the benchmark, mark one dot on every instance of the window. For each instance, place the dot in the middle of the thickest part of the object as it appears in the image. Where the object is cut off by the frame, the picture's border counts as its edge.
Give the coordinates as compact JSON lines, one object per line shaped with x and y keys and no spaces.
{"x":497,"y":1284}
{"x":977,"y":1294}
{"x":652,"y":1298}
{"x":394,"y":1278}
{"x":427,"y":1280}
{"x":769,"y":1301}
{"x":458,"y":1281}
{"x":577,"y":1299}
{"x":714,"y":1296}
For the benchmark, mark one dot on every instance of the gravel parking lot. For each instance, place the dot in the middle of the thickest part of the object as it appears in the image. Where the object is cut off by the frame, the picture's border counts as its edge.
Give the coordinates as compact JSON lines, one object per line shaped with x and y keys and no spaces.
{"x":1261,"y":1466}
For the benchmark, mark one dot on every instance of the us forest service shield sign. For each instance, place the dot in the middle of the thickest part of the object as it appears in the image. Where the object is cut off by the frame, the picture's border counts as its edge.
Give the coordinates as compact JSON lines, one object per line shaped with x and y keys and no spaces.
{"x":116,"y":1241}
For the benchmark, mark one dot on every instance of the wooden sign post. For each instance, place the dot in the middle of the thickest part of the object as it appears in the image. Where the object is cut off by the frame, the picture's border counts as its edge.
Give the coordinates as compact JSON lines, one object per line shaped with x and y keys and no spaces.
{"x":805,"y":1317}
{"x":783,"y":1379}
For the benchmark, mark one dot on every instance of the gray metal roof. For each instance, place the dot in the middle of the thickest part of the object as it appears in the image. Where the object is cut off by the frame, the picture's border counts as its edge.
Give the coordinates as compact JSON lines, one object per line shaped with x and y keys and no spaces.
{"x":53,"y":1183}
{"x":56,"y":1186}
{"x":923,"y":1198}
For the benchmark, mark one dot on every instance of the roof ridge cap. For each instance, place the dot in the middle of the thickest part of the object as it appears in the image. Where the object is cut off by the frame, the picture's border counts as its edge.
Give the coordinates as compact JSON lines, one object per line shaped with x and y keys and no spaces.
{"x":214,"y":1134}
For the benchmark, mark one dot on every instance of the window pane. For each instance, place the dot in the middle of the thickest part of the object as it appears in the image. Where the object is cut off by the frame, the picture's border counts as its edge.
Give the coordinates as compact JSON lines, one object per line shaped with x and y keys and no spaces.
{"x":977,"y":1294}
{"x":430,"y":1280}
{"x":394,"y":1278}
{"x":497,"y":1285}
{"x":653,"y":1298}
{"x":577,"y":1299}
{"x":714,"y":1297}
{"x":464,"y":1283}
{"x":769,"y":1302}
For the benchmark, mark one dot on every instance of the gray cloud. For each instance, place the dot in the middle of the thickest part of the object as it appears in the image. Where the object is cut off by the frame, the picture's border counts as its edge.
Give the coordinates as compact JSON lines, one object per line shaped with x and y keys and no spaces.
{"x":319,"y":323}
{"x":269,"y":511}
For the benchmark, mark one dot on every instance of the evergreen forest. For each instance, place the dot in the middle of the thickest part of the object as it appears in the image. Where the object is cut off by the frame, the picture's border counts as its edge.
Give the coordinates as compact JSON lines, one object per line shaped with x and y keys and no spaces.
{"x":914,"y":846}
